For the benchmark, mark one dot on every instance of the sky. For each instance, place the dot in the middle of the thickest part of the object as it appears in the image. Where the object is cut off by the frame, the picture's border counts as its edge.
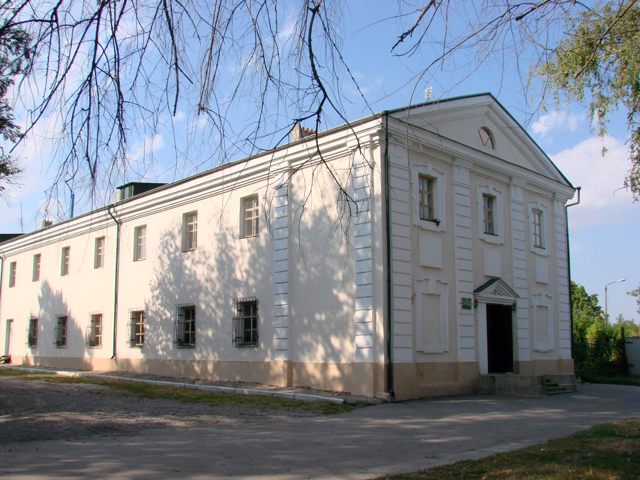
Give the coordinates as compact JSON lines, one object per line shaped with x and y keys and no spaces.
{"x":604,"y":226}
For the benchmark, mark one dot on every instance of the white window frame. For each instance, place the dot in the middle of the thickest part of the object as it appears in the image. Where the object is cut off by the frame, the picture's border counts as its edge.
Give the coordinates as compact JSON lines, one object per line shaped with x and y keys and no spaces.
{"x":140,"y":243}
{"x":430,"y":286}
{"x":437,"y":178}
{"x":137,"y":318}
{"x":534,"y":206}
{"x":65,"y":261}
{"x":249,"y":216}
{"x":35,"y":272}
{"x":13,"y":272}
{"x":488,"y":190}
{"x":190,"y":231}
{"x":94,"y":331}
{"x":543,"y":300}
{"x":98,"y":254}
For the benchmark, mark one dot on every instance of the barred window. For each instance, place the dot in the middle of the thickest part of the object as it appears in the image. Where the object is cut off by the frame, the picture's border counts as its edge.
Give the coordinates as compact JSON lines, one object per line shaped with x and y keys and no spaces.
{"x":94,"y":333}
{"x":245,"y":323}
{"x":61,"y":332}
{"x":32,"y":334}
{"x":186,"y":326}
{"x":136,"y":329}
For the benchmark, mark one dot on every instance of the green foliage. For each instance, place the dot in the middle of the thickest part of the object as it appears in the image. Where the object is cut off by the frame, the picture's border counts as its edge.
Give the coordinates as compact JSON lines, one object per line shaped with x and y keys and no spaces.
{"x":600,"y":61}
{"x":636,"y":293}
{"x":14,"y":60}
{"x":598,"y":347}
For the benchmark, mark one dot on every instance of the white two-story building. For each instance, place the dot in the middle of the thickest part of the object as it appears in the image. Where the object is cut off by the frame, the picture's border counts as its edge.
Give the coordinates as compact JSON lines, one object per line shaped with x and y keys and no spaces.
{"x":403,"y":255}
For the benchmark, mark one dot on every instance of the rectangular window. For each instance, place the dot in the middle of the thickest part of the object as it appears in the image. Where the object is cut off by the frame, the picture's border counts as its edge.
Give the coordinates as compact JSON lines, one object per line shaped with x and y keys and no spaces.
{"x":61,"y":332}
{"x":489,"y":213}
{"x":136,"y":329}
{"x":94,"y":333}
{"x":538,"y":233}
{"x":186,"y":326}
{"x":426,"y":192}
{"x":32,"y":334}
{"x":98,"y":255}
{"x":64,"y":261}
{"x":250,"y":215}
{"x":140,"y":243}
{"x":189,"y":231}
{"x":13,"y":269}
{"x":245,"y":323}
{"x":36,"y":267}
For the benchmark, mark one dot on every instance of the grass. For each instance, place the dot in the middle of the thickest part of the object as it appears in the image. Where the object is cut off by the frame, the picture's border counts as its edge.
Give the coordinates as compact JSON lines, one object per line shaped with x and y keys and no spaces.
{"x":613,"y":380}
{"x":606,"y":452}
{"x":218,"y":399}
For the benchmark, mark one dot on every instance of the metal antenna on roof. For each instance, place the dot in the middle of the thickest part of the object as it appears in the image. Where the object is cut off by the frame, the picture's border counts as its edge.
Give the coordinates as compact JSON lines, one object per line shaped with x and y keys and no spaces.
{"x":72,"y":199}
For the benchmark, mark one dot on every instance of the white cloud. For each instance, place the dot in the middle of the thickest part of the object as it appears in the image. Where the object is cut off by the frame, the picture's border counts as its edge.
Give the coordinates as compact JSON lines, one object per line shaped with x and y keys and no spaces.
{"x":601,"y":176}
{"x":556,"y":120}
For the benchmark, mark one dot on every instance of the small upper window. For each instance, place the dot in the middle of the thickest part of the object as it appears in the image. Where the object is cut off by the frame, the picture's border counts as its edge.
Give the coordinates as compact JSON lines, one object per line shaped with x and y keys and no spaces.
{"x":489,"y":213}
{"x":64,"y":261}
{"x":250,"y":214}
{"x":36,"y":267}
{"x":189,"y":231}
{"x":426,"y":194}
{"x":13,"y":268}
{"x":98,"y":255}
{"x":486,"y":138}
{"x":140,"y":243}
{"x":538,"y":225}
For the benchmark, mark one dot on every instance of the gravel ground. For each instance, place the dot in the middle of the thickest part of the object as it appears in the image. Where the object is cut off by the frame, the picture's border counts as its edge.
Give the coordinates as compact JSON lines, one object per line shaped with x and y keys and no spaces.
{"x":34,"y":410}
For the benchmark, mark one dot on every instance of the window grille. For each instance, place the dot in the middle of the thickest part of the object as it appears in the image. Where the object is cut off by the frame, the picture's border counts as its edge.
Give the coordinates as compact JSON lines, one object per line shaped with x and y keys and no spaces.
{"x":136,"y":329}
{"x":186,"y":326}
{"x":245,"y":322}
{"x":32,"y":334}
{"x":60,"y":336}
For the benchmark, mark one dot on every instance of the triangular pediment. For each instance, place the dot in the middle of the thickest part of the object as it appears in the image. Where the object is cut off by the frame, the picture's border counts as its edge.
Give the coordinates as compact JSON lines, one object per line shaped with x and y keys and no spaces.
{"x":461,"y":119}
{"x":496,"y":290}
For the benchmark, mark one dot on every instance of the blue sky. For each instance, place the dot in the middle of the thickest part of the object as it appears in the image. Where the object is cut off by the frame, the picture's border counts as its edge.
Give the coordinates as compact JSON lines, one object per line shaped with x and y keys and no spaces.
{"x":604,"y":228}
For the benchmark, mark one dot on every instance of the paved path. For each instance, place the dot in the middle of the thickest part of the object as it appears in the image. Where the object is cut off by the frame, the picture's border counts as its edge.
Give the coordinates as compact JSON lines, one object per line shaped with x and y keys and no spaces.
{"x":367,"y":442}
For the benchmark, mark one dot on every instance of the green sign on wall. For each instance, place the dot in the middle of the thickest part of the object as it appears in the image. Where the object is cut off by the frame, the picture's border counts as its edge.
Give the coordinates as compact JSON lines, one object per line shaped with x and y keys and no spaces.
{"x":467,"y":303}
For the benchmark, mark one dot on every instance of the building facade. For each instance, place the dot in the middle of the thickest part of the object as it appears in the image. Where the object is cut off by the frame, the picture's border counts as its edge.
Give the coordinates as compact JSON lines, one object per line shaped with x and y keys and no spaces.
{"x":400,"y":256}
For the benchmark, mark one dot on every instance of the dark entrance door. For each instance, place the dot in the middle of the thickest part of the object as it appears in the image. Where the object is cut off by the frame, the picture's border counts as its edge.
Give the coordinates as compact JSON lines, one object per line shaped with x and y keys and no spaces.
{"x":499,"y":338}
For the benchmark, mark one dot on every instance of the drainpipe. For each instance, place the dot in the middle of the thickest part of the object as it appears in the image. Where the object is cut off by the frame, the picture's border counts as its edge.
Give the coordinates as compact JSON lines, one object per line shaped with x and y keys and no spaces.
{"x":389,"y":304}
{"x":116,"y":280}
{"x":566,"y":217}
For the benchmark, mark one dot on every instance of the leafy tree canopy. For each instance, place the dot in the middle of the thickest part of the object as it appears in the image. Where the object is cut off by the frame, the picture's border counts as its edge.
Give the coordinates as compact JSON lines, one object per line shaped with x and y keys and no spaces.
{"x":599,"y":60}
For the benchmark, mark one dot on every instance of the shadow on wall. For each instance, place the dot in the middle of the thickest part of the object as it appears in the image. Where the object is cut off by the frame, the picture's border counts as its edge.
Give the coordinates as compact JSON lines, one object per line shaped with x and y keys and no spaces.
{"x":47,"y":352}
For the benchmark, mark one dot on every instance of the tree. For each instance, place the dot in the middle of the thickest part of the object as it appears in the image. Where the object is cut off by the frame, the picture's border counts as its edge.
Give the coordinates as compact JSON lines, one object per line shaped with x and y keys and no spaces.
{"x":112,"y":71}
{"x":600,"y":61}
{"x":636,"y":293}
{"x":14,"y":57}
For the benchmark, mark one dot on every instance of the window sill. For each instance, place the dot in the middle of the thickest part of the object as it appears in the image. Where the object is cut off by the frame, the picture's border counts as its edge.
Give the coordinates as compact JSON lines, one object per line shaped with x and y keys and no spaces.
{"x":492,"y":238}
{"x":185,"y":346}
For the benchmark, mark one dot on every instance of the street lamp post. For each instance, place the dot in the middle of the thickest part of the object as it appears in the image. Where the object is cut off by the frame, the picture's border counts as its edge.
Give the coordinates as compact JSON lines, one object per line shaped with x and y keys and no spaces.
{"x":606,"y":303}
